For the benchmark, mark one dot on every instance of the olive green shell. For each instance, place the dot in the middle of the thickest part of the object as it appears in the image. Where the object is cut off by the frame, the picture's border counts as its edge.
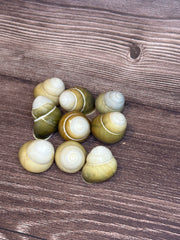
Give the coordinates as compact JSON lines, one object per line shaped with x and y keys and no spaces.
{"x":46,"y":119}
{"x":101,"y":131}
{"x":85,"y":101}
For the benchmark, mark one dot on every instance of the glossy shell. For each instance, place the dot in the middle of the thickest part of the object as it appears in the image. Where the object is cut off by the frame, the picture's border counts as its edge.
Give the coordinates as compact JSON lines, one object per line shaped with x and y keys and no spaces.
{"x":100,"y":165}
{"x":109,"y":127}
{"x":77,"y":99}
{"x":50,"y":88}
{"x":46,"y":117}
{"x":36,"y":156}
{"x":112,"y":101}
{"x":74,"y":126}
{"x":70,"y":156}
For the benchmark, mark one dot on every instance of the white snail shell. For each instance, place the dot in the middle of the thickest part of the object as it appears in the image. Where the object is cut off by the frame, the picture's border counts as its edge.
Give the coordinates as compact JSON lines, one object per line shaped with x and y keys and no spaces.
{"x":77,"y":99}
{"x":51,"y":88}
{"x":112,"y":101}
{"x":109,"y":127}
{"x":100,"y":165}
{"x":46,"y":117}
{"x":36,"y":156}
{"x":70,"y":156}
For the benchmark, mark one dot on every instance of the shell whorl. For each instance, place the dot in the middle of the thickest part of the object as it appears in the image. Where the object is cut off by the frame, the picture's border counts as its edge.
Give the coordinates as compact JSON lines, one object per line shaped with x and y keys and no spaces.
{"x":99,"y":155}
{"x":115,"y":122}
{"x":40,"y":151}
{"x":114,"y":100}
{"x":54,"y":86}
{"x":70,"y":156}
{"x":74,"y":126}
{"x":68,"y":100}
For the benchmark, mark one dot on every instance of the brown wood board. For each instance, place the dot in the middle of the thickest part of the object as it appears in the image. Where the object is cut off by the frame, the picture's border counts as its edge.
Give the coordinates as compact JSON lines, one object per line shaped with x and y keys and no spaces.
{"x":131,"y":46}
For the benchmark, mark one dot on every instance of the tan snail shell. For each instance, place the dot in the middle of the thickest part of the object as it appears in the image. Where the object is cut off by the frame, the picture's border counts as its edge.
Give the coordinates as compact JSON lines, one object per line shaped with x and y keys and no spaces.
{"x":109,"y":127}
{"x":70,"y":156}
{"x":112,"y":101}
{"x":46,"y":117}
{"x":100,"y":165}
{"x":77,"y":99}
{"x":36,"y":156}
{"x":50,"y":88}
{"x":74,"y":126}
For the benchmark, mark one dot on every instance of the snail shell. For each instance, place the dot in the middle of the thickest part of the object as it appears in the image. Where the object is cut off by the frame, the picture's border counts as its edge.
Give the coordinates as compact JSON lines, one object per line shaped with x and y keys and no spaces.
{"x":100,"y":165}
{"x":109,"y":127}
{"x":112,"y":101}
{"x":36,"y":156}
{"x":74,"y":126}
{"x":46,"y":117}
{"x":70,"y":156}
{"x":77,"y":99}
{"x":50,"y":88}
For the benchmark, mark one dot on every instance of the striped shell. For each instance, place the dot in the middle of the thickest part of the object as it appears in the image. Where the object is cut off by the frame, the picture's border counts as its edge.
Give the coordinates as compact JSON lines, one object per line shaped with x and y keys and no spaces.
{"x":77,"y":99}
{"x":109,"y":127}
{"x":46,"y":117}
{"x":74,"y":126}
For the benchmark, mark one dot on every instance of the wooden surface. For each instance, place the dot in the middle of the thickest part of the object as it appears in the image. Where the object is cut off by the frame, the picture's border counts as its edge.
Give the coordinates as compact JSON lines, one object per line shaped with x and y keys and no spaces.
{"x":131,"y":46}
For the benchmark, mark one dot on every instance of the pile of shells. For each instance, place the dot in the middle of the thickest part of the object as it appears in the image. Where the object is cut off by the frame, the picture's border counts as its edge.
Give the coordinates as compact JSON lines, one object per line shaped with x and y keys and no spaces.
{"x":74,"y":127}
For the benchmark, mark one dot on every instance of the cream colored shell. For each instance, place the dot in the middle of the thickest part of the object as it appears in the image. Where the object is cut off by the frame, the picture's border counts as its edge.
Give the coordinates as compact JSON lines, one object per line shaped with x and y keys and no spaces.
{"x":112,"y":101}
{"x":36,"y":156}
{"x":70,"y":156}
{"x":50,"y":88}
{"x":100,"y":165}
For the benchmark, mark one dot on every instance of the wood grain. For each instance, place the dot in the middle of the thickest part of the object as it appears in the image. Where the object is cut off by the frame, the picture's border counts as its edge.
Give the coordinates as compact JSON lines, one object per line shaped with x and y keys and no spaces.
{"x":102,"y":45}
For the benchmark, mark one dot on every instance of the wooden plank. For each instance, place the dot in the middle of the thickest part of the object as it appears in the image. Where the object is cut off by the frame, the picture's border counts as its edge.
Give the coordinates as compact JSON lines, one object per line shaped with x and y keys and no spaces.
{"x":101,"y":45}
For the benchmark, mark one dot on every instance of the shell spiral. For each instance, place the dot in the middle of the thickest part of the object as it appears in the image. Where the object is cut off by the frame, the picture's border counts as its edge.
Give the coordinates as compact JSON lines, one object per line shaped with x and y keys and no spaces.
{"x":100,"y":165}
{"x":109,"y":127}
{"x":74,"y":126}
{"x":46,"y":117}
{"x":36,"y":156}
{"x":50,"y":88}
{"x":112,"y":101}
{"x":77,"y":99}
{"x":70,"y":156}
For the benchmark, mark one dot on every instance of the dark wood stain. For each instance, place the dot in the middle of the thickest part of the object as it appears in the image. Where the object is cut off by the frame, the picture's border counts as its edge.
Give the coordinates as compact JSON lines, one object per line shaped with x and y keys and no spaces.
{"x":132,"y":46}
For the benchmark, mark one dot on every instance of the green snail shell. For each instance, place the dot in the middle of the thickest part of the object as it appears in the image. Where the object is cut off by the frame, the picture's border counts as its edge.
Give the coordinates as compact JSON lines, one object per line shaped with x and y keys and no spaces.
{"x":70,"y":156}
{"x":46,"y":117}
{"x":77,"y":99}
{"x":100,"y":165}
{"x":112,"y":101}
{"x":50,"y":88}
{"x":109,"y":127}
{"x":36,"y":156}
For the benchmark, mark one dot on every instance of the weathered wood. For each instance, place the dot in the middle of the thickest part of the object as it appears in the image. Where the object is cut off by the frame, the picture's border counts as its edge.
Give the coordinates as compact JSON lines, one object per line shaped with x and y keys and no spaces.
{"x":101,"y":45}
